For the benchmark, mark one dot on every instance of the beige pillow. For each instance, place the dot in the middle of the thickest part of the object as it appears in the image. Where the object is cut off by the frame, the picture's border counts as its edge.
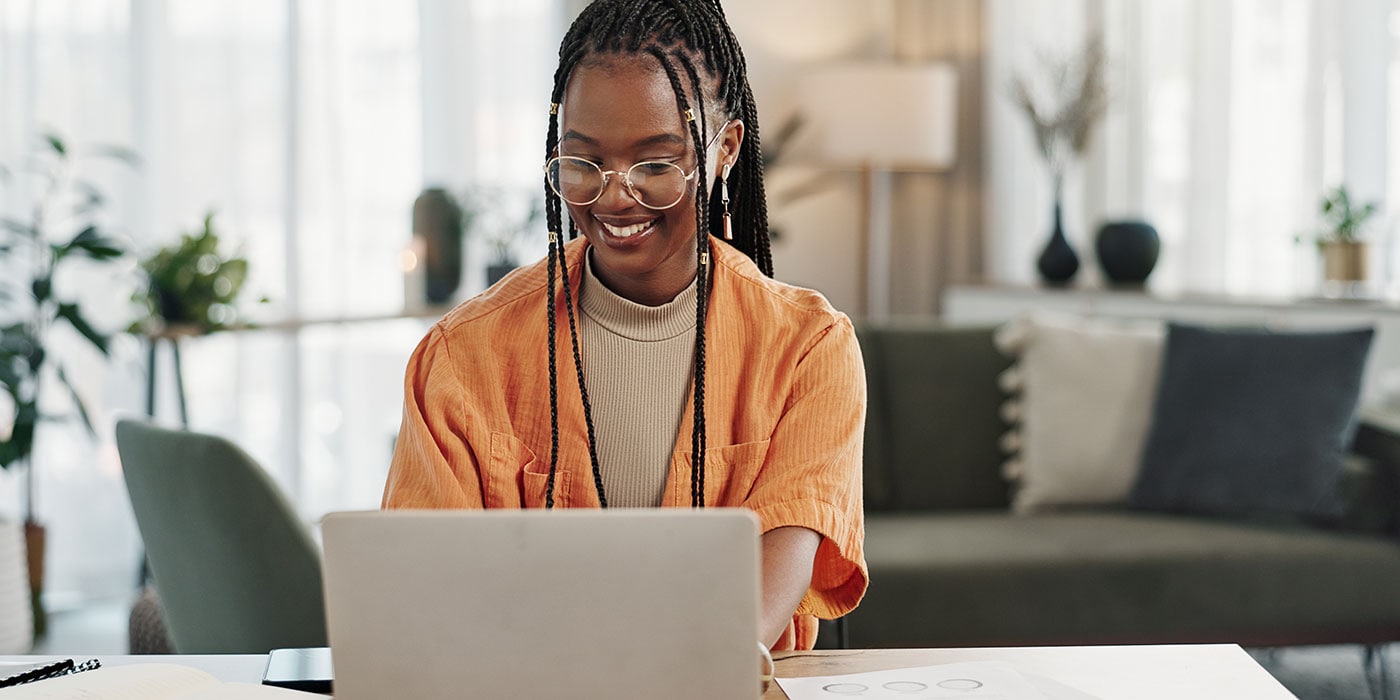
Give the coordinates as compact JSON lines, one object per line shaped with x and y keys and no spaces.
{"x":1084,"y":395}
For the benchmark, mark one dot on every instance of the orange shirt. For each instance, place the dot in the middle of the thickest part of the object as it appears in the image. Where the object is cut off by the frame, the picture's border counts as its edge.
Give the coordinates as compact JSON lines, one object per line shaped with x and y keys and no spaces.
{"x":784,"y":415}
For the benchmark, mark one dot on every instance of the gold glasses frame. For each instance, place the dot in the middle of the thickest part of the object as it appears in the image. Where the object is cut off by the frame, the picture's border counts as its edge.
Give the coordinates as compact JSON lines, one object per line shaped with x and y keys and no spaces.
{"x":626,"y":176}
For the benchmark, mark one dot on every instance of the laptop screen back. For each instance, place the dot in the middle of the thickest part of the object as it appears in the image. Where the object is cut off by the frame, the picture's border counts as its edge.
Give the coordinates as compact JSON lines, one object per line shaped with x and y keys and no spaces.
{"x":580,"y":604}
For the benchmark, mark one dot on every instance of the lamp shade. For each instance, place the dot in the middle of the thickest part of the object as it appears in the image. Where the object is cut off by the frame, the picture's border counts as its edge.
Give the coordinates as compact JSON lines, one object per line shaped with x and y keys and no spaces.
{"x":892,"y":115}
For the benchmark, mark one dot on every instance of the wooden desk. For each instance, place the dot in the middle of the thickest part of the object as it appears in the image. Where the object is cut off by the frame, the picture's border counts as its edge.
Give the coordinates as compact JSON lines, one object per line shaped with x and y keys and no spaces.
{"x":1206,"y":672}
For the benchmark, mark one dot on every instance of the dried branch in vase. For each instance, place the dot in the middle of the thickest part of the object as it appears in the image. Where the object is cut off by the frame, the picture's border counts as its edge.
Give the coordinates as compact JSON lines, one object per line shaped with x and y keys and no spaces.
{"x":1063,"y":120}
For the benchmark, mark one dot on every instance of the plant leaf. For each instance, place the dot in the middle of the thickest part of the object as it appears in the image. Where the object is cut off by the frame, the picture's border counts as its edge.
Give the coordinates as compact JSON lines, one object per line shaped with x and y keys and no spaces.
{"x":56,"y":143}
{"x":87,"y":234}
{"x":70,"y":313}
{"x":92,"y":197}
{"x":18,"y":227}
{"x":77,"y":401}
{"x":21,"y":441}
{"x":121,"y":153}
{"x":94,"y":244}
{"x":105,"y":249}
{"x":42,"y":289}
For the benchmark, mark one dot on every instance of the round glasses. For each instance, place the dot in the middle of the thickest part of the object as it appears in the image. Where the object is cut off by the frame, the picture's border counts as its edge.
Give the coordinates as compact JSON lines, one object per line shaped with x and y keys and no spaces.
{"x":654,"y":184}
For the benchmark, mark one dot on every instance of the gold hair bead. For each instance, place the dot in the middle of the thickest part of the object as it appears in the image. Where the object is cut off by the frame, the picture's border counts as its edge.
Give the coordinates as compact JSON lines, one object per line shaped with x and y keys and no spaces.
{"x":553,"y":107}
{"x":690,"y":115}
{"x":704,"y":259}
{"x":553,"y":236}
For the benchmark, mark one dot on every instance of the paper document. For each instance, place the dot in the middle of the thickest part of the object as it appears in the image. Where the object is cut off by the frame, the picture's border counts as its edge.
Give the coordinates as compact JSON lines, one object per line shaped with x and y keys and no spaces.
{"x":976,"y":681}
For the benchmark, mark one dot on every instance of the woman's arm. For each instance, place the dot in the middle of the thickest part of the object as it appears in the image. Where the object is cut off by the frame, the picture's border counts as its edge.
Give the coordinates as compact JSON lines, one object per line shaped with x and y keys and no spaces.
{"x":788,"y":554}
{"x":432,"y":467}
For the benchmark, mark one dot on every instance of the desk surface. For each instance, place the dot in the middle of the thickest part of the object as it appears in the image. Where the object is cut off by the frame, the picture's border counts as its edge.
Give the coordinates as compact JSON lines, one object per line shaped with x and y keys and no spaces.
{"x":1201,"y":672}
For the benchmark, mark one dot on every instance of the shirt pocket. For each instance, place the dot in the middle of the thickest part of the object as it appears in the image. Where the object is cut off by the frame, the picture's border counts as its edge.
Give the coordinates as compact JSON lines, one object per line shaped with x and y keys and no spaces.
{"x":730,"y":473}
{"x":512,"y":458}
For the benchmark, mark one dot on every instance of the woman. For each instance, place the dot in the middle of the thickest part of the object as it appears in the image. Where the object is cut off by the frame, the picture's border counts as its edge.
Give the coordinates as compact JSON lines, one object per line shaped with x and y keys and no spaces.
{"x":685,"y":365}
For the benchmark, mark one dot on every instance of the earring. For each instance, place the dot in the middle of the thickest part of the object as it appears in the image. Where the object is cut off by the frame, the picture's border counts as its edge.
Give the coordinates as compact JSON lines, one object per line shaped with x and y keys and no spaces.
{"x":724,"y":198}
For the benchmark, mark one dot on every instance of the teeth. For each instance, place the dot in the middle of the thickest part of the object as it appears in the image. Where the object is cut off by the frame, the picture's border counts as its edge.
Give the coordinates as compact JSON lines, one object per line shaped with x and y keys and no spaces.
{"x":626,"y":231}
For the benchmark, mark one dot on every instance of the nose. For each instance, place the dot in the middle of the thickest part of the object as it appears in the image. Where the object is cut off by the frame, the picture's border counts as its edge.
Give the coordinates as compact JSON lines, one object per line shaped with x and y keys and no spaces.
{"x":616,"y":196}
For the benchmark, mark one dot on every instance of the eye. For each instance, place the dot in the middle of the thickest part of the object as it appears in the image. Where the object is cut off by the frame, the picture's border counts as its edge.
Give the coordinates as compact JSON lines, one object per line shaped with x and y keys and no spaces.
{"x":655,"y":167}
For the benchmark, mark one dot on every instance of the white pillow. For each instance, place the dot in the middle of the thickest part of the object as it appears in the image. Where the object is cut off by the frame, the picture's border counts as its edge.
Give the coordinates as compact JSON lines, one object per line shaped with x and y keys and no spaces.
{"x":1086,"y":391}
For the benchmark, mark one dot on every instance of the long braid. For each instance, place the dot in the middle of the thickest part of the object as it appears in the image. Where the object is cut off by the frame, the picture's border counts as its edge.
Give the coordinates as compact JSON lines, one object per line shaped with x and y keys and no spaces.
{"x":578,"y":369}
{"x":569,"y":55}
{"x":702,"y":286}
{"x":688,"y":29}
{"x":552,"y":220}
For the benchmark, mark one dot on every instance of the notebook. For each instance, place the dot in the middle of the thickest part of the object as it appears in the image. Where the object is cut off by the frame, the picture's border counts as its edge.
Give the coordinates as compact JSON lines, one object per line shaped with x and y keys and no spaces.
{"x":579,"y":604}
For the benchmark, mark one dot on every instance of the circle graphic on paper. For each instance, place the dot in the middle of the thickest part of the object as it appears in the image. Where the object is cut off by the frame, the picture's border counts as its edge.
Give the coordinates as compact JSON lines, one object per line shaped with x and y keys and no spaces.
{"x":960,"y":684}
{"x":845,"y":688}
{"x":905,"y":686}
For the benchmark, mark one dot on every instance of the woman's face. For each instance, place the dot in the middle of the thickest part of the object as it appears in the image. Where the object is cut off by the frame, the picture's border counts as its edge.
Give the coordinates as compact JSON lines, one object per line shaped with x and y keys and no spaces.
{"x":617,"y":114}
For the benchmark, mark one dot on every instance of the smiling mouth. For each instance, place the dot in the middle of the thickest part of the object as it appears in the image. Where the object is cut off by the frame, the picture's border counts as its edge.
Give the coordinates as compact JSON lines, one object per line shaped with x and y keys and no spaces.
{"x":626,"y":231}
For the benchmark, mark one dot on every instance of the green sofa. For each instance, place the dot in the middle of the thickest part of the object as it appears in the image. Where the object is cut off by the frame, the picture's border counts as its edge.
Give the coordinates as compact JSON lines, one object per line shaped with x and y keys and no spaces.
{"x":950,"y":565}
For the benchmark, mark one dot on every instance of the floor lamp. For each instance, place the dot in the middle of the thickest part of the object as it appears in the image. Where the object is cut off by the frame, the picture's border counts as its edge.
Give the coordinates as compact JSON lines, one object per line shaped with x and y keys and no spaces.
{"x":881,"y":118}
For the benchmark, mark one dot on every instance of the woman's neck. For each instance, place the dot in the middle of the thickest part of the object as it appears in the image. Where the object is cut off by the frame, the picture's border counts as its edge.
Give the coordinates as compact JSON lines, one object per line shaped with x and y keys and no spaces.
{"x":653,"y":289}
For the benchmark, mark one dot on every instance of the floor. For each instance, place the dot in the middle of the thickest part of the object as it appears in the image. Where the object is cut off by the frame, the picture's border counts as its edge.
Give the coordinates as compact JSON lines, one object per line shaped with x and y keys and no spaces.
{"x":1312,"y":673}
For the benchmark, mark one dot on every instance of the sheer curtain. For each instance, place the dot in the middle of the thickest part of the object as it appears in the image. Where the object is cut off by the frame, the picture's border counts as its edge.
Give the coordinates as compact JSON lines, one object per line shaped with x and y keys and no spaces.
{"x":308,"y":126}
{"x":1228,"y":121}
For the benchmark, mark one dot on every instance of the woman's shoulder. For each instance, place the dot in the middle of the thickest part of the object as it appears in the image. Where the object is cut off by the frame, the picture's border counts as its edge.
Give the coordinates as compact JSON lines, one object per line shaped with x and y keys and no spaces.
{"x":785,"y":304}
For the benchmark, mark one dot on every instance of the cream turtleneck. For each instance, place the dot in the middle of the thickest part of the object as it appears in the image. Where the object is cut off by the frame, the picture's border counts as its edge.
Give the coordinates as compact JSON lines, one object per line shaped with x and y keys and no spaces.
{"x":637,"y":365}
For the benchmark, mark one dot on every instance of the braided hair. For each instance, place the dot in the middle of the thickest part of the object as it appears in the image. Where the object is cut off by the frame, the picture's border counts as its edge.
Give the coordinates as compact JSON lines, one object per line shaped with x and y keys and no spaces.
{"x":684,"y":37}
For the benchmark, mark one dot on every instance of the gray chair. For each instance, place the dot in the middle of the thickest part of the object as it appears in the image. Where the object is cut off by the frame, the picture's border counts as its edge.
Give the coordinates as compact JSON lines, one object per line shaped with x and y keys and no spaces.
{"x":237,"y":570}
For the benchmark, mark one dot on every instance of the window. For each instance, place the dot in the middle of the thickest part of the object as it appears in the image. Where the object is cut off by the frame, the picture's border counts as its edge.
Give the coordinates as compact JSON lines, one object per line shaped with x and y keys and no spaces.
{"x":309,"y":127}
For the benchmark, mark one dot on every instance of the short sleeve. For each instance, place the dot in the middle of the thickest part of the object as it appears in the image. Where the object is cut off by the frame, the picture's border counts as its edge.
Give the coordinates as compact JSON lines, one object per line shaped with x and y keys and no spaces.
{"x":812,"y":474}
{"x":433,"y":464}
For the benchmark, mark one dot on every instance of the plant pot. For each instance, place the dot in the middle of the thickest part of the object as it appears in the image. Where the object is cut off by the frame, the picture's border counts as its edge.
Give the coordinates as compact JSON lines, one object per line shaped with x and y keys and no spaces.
{"x":438,"y":219}
{"x":1345,"y":261}
{"x":16,"y":601}
{"x":1127,"y":252}
{"x":35,"y":538}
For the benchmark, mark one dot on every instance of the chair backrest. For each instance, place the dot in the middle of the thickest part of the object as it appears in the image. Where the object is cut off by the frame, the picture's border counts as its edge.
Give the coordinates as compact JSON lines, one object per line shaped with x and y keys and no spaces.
{"x":238,"y":572}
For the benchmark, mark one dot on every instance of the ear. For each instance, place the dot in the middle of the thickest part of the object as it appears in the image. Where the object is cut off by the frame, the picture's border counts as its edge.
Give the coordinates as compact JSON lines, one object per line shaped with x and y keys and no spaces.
{"x":731,"y":141}
{"x":728,"y":148}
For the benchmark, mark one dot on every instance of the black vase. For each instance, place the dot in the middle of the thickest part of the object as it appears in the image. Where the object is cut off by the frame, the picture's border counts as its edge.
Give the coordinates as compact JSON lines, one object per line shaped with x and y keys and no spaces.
{"x":1127,"y":252}
{"x":1058,"y":263}
{"x":496,"y":271}
{"x":438,"y":219}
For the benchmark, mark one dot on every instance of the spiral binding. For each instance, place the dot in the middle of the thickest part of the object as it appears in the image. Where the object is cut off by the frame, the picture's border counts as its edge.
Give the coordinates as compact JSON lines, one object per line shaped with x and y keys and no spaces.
{"x":54,"y":670}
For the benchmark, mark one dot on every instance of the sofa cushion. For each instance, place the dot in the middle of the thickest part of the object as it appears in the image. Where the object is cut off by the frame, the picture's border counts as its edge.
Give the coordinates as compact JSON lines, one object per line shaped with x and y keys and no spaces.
{"x":1252,"y":422}
{"x":976,"y":579}
{"x":1086,"y":388}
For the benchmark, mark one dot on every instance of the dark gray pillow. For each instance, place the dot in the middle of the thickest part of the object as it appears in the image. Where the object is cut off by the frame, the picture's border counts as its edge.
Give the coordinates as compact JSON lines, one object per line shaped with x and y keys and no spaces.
{"x":1251,"y":422}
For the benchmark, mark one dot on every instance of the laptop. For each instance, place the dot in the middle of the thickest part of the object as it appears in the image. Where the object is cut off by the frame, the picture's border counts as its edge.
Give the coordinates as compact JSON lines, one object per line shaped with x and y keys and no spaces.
{"x":579,"y":604}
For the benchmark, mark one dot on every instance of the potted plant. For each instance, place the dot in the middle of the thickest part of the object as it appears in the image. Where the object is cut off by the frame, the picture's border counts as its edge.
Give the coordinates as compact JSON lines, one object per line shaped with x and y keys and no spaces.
{"x":489,"y":215}
{"x":62,"y":227}
{"x":190,"y":287}
{"x":1345,"y":255}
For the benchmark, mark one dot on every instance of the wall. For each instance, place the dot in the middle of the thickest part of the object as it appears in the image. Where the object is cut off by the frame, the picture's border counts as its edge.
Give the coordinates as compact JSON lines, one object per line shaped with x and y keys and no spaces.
{"x":936,"y":219}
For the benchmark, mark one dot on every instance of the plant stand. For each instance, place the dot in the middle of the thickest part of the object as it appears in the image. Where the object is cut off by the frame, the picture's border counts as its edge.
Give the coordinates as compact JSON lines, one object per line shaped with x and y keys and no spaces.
{"x":16,"y":602}
{"x":35,"y":538}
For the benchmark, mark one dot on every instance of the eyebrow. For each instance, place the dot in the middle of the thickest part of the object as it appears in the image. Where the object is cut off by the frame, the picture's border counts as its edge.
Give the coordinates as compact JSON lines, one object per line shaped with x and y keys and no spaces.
{"x":658,"y":139}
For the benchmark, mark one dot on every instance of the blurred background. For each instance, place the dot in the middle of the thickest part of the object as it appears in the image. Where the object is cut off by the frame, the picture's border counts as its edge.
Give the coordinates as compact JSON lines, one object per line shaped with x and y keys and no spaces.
{"x":310,"y":128}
